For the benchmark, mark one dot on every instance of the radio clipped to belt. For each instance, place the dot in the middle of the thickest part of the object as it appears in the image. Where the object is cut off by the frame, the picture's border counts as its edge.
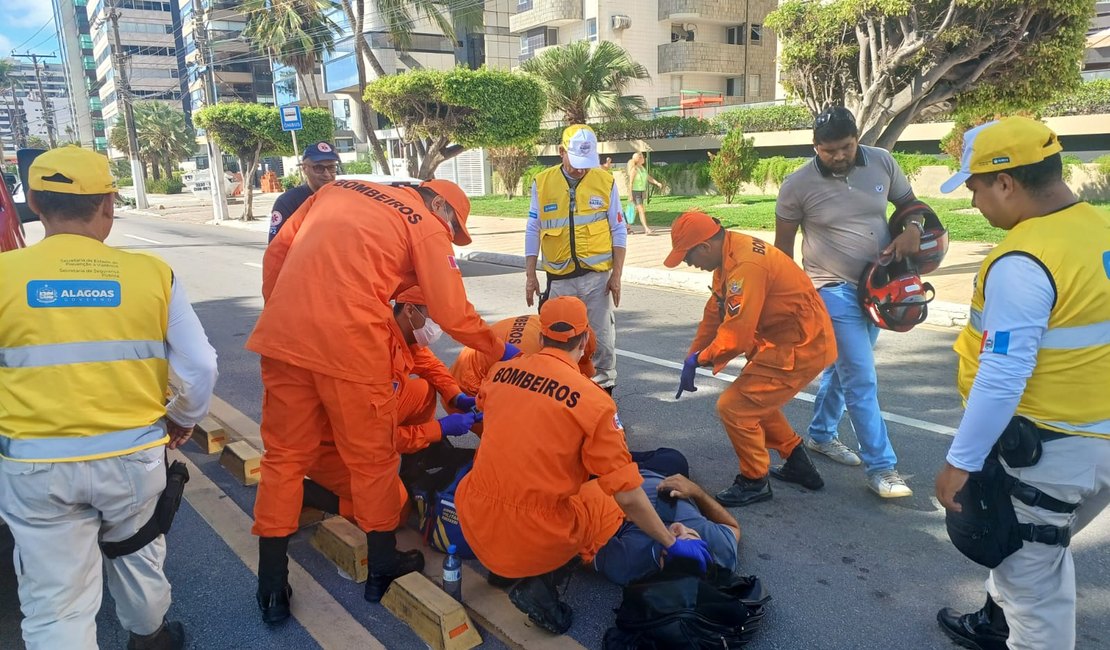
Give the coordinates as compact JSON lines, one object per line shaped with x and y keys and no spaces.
{"x":987,"y":530}
{"x":177,"y":475}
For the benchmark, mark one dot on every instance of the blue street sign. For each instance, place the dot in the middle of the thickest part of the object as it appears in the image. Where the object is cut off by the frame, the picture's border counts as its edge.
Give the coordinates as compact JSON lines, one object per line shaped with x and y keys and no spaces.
{"x":291,"y":118}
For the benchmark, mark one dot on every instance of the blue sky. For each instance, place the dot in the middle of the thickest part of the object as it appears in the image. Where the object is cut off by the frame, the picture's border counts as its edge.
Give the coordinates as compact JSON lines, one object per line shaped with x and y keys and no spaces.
{"x":20,"y":19}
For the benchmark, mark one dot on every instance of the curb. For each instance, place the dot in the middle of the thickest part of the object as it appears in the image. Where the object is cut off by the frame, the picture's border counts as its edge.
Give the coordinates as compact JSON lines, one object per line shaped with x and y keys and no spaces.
{"x":941,"y":314}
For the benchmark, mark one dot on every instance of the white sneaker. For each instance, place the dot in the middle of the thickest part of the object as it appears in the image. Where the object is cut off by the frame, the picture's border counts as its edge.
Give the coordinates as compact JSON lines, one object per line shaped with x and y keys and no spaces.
{"x":889,"y":484}
{"x":835,"y":450}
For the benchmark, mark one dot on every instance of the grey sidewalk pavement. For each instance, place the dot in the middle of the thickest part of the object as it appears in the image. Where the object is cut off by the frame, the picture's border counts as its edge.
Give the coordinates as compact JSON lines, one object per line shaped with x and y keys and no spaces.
{"x":500,"y":240}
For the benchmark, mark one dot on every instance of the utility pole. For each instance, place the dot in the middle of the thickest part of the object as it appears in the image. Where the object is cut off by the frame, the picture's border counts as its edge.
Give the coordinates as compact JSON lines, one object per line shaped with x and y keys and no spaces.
{"x":18,"y":136}
{"x":124,"y":95}
{"x":44,"y":101}
{"x":220,"y":211}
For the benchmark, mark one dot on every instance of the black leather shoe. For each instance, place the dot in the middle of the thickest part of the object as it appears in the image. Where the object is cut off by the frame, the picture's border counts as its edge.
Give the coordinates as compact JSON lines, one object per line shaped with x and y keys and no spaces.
{"x":745,"y":491}
{"x":799,"y":469}
{"x":985,"y":629}
{"x":538,"y":598}
{"x":171,"y":636}
{"x":377,"y":583}
{"x":274,"y":604}
{"x":500,"y":582}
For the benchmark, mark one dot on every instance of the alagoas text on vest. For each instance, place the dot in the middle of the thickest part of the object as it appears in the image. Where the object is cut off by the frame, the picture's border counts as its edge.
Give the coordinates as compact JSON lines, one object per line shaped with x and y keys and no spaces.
{"x":537,"y":384}
{"x":411,"y":215}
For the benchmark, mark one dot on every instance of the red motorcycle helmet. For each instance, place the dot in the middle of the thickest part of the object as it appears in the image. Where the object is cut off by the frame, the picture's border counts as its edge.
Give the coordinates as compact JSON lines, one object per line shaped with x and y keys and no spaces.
{"x":892,"y":294}
{"x":934,"y":241}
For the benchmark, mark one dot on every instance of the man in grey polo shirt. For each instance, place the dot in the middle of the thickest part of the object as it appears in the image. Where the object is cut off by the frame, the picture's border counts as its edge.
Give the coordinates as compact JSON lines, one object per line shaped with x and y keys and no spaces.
{"x":839,"y":199}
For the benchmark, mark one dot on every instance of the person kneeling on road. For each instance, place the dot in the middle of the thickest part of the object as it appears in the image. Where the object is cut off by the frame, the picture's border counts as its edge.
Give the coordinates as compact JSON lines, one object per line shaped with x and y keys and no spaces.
{"x":688,"y":512}
{"x":764,"y":307}
{"x":528,"y":509}
{"x":420,"y":376}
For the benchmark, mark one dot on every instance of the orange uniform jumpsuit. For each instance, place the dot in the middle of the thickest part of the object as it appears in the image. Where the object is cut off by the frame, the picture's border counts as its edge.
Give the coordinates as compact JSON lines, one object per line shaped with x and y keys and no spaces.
{"x":417,"y":427}
{"x":764,"y":307}
{"x":528,"y":506}
{"x":471,"y":367}
{"x":329,"y":351}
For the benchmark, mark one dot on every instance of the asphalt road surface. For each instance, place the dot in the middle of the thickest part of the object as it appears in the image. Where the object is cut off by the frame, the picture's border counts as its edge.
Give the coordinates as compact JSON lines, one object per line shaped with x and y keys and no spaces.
{"x":846,"y":569}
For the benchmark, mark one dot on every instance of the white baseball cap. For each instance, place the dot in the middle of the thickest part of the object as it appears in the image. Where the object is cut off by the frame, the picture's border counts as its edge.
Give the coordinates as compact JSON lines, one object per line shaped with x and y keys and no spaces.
{"x":580,"y":141}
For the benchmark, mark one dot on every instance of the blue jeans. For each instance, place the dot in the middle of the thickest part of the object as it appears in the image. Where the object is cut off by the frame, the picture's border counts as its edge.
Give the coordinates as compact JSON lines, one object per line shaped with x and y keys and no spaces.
{"x":852,"y":382}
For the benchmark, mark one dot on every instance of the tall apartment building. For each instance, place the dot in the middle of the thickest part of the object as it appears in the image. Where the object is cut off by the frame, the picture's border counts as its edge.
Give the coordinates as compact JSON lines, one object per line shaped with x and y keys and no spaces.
{"x":146,"y":32}
{"x":71,"y":19}
{"x":691,"y":48}
{"x":240,"y":74}
{"x":23,"y":110}
{"x":1096,"y":63}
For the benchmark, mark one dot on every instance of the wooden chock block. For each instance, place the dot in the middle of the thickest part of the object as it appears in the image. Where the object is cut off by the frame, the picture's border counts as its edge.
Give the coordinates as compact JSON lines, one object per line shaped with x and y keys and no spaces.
{"x":210,"y":435}
{"x":435,"y":617}
{"x":243,"y":461}
{"x":310,"y":516}
{"x":344,"y":544}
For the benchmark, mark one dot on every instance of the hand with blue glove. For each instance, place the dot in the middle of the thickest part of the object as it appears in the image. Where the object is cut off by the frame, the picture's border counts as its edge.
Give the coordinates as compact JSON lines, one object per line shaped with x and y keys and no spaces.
{"x":458,"y":424}
{"x":694,"y":550}
{"x":464,"y":402}
{"x":689,"y":370}
{"x":511,"y":352}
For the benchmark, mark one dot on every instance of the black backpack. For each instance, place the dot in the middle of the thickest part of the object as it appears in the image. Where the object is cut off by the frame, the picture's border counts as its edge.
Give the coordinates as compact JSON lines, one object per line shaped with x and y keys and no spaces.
{"x":674,"y":609}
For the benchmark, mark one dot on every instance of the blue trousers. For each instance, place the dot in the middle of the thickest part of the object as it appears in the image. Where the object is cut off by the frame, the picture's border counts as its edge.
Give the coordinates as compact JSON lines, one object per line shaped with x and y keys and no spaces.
{"x":851,"y":382}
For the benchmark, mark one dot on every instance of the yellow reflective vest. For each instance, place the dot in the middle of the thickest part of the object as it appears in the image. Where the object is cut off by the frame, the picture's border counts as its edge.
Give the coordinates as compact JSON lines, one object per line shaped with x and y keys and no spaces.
{"x":83,"y":369}
{"x":574,"y":224}
{"x":1069,"y":390}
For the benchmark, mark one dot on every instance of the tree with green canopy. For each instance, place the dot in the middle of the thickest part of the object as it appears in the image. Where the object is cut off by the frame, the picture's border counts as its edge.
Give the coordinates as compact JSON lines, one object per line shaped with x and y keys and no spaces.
{"x":295,"y":32}
{"x":583,"y":81}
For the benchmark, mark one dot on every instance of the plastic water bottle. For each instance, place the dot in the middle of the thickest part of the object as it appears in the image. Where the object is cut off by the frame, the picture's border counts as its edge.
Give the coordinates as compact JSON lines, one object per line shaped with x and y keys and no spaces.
{"x":452,"y":574}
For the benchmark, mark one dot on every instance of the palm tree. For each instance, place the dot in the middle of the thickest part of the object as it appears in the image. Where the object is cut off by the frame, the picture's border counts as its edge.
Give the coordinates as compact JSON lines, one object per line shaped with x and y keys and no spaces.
{"x":583,"y":81}
{"x":165,"y":134}
{"x":295,"y":32}
{"x":450,"y":16}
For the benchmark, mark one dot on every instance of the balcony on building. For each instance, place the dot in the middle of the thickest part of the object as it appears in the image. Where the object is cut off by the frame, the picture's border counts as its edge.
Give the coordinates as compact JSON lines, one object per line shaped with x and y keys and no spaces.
{"x":701,"y":57}
{"x":709,"y":11}
{"x":544,"y":13}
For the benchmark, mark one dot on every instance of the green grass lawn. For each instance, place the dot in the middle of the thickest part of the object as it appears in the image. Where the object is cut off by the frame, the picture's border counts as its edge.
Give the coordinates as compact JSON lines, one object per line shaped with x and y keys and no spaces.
{"x":755,"y":212}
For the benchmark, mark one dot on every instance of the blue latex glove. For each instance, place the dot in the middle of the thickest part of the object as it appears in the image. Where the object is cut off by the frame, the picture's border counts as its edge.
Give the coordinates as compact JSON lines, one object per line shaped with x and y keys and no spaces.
{"x":458,"y":424}
{"x":689,"y":371}
{"x":691,"y":549}
{"x":511,"y":351}
{"x":464,"y":402}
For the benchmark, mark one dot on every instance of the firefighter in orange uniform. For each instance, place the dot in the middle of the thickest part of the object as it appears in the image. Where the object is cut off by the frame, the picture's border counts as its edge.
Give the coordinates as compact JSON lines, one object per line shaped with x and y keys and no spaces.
{"x":472,"y":367}
{"x":528,"y":507}
{"x":420,"y":379}
{"x":329,"y":352}
{"x":765,"y":308}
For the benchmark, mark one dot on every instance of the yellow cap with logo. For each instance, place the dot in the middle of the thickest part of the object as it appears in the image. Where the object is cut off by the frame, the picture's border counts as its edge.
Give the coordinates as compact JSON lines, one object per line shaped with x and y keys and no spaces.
{"x":71,"y":170}
{"x":1003,"y":144}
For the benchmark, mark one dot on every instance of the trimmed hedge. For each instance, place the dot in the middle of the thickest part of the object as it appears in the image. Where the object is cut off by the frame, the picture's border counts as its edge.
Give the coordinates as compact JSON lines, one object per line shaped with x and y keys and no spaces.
{"x":787,"y":117}
{"x":164,"y":186}
{"x":358,"y":167}
{"x":1092,"y":98}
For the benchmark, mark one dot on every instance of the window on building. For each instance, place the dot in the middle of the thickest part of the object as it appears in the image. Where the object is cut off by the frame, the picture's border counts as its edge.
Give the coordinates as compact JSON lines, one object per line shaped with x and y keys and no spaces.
{"x":523,"y":5}
{"x":344,"y":145}
{"x":734,"y":87}
{"x":756,"y":34}
{"x":88,"y":62}
{"x":95,"y":105}
{"x":735,"y":35}
{"x":753,"y":85}
{"x":100,"y":143}
{"x":680,"y":33}
{"x":535,"y":39}
{"x":591,"y":29}
{"x":86,"y":41}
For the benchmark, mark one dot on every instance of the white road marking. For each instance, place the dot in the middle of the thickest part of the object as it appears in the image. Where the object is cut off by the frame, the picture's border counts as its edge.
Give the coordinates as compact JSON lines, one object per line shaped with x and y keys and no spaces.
{"x":253,"y":265}
{"x":805,"y":397}
{"x":149,"y":241}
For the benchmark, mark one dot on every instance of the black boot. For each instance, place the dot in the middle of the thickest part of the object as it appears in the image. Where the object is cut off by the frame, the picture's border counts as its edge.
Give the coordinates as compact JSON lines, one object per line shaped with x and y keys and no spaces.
{"x":171,"y":636}
{"x":745,"y":491}
{"x":799,"y":469}
{"x":500,"y":582}
{"x":985,"y":629}
{"x":319,"y":497}
{"x":609,"y":389}
{"x":387,"y":563}
{"x":273,"y":579}
{"x":538,"y":597}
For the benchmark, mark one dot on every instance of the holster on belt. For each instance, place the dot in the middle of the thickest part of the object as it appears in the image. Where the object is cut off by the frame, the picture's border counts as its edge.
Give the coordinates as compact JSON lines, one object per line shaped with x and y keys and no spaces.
{"x":177,"y":475}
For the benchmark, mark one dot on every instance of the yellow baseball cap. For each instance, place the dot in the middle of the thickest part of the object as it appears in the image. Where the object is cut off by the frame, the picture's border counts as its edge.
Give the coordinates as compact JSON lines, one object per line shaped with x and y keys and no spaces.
{"x":580,"y":141}
{"x":71,"y":170}
{"x":1003,"y":144}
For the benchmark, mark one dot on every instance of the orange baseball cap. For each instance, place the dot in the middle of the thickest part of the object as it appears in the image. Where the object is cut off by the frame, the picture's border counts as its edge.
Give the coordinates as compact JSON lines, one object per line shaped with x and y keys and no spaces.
{"x":411,"y":296}
{"x":459,"y":202}
{"x":689,"y":230}
{"x":563,"y":318}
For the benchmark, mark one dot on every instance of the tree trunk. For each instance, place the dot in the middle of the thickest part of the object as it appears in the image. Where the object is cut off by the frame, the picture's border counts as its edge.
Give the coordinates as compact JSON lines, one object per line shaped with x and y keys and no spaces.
{"x":246,"y":167}
{"x":155,"y":172}
{"x":355,"y":10}
{"x":169,"y":165}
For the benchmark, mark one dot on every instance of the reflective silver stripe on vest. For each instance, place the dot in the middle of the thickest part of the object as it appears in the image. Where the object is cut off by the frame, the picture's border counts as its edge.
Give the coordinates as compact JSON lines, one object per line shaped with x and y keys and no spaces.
{"x":549,"y":224}
{"x":1075,"y":338}
{"x":58,"y":448}
{"x":1101,"y":427}
{"x":54,"y":354}
{"x":582,"y":220}
{"x":975,"y":319}
{"x":596,"y":259}
{"x":557,"y":266}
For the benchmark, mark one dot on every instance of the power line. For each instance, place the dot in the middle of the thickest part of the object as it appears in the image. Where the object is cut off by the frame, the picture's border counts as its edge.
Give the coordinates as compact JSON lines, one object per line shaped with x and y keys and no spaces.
{"x":49,"y":21}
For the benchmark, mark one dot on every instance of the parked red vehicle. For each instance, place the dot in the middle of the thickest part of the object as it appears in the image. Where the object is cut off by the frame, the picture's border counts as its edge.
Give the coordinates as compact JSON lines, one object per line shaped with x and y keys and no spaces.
{"x":11,"y":230}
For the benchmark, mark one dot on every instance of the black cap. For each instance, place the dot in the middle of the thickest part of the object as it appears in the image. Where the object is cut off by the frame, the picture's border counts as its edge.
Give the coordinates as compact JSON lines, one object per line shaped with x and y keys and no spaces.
{"x":320,"y":151}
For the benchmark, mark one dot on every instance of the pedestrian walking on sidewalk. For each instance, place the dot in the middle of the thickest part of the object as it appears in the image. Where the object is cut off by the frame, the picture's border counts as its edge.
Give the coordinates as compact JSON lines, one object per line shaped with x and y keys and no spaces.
{"x":765,"y":308}
{"x":88,"y":337}
{"x":840,"y":200}
{"x":1032,"y":453}
{"x":576,"y":224}
{"x":638,"y":179}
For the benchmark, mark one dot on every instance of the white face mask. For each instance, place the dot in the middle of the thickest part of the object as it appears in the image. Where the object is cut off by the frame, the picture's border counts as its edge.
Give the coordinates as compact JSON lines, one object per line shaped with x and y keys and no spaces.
{"x":428,"y":334}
